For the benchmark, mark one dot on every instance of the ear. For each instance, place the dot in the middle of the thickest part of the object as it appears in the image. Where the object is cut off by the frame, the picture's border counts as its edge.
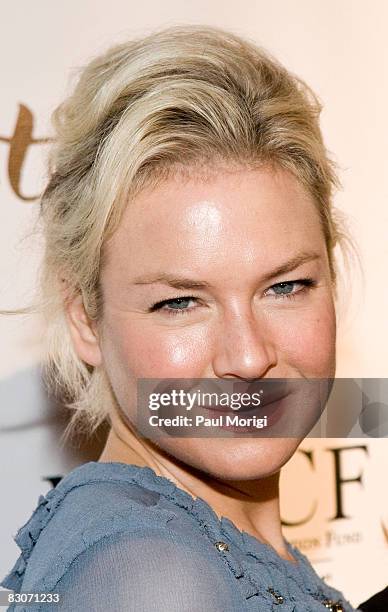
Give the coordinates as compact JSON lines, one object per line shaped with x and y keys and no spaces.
{"x":83,"y":331}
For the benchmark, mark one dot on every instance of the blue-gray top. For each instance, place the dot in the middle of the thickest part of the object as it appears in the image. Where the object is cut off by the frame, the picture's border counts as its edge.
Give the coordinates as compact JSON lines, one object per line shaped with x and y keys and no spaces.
{"x":112,"y":536}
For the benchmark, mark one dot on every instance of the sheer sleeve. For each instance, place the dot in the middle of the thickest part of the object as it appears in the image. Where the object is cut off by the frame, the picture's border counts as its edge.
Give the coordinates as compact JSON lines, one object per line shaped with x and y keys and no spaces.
{"x":148,"y":570}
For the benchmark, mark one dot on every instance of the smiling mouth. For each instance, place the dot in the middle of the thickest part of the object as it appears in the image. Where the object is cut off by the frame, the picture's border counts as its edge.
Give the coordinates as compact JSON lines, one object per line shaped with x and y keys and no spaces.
{"x":270,"y":404}
{"x":273,"y":409}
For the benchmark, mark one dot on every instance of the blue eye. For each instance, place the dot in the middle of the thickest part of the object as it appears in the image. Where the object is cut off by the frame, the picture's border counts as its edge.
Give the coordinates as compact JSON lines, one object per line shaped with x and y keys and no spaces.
{"x":179,"y":305}
{"x":175,"y":305}
{"x":289,"y":289}
{"x":283,"y":288}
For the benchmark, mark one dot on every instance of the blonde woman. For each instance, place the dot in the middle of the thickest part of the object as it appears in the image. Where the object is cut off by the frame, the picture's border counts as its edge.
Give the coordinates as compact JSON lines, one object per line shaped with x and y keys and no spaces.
{"x":189,"y":233}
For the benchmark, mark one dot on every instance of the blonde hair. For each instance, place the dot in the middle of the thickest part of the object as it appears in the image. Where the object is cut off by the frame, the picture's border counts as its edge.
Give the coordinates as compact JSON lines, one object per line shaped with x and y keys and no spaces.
{"x":182,"y":97}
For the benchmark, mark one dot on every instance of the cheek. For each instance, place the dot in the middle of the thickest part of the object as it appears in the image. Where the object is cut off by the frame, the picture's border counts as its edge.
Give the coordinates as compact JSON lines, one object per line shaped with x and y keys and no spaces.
{"x":149,"y":351}
{"x":308,"y":343}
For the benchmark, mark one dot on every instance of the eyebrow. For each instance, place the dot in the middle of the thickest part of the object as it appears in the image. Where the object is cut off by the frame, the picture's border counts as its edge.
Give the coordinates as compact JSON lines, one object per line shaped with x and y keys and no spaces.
{"x":180,"y":282}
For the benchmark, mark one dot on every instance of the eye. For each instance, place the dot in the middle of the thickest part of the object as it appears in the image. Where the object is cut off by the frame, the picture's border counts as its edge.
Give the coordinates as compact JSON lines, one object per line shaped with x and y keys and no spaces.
{"x":174,"y":306}
{"x":289,"y":289}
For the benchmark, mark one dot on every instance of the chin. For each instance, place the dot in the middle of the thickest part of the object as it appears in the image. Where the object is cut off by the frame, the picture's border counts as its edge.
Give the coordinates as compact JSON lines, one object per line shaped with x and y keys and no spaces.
{"x":237,"y":459}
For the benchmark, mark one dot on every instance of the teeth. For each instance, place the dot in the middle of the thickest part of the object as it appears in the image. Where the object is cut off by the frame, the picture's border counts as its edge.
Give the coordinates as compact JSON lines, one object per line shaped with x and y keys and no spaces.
{"x":229,"y":409}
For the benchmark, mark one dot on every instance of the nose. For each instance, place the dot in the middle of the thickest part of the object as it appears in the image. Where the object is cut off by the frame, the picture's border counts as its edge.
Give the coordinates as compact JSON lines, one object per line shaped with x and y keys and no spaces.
{"x":244,"y":347}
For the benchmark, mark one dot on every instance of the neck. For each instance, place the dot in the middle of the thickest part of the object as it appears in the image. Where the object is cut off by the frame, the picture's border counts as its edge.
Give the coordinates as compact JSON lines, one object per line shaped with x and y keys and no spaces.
{"x":253,"y":506}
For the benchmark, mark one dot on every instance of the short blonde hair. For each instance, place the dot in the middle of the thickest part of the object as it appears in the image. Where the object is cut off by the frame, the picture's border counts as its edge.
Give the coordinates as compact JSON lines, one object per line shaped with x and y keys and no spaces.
{"x":182,"y":97}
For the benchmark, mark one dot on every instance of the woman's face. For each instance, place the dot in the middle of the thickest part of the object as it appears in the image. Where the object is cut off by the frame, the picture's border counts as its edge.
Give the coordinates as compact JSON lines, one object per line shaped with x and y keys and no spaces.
{"x":224,"y":244}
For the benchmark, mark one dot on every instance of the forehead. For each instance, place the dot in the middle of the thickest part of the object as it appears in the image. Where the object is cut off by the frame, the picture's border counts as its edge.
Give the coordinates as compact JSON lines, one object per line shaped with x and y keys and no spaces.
{"x":239,"y":214}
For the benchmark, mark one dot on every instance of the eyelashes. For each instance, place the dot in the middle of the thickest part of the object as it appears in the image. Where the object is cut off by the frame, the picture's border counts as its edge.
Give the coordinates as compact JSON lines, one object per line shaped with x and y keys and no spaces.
{"x":283,"y":291}
{"x":177,"y":300}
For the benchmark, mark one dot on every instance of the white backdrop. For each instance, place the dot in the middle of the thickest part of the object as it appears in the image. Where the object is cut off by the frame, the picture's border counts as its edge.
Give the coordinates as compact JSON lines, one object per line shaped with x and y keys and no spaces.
{"x":339,"y":47}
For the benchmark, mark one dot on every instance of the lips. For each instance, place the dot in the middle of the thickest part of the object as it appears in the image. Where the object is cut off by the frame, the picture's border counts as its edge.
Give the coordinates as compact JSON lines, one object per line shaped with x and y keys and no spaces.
{"x":292,"y":404}
{"x":265,"y":402}
{"x":272,"y":410}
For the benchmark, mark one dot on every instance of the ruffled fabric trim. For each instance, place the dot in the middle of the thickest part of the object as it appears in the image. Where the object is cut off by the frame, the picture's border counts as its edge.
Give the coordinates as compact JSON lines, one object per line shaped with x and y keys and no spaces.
{"x":256,"y":566}
{"x":92,"y":472}
{"x":26,"y":538}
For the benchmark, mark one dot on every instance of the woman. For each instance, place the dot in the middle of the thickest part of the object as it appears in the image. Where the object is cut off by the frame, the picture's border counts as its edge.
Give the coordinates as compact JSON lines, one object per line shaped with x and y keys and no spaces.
{"x":189,"y":234}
